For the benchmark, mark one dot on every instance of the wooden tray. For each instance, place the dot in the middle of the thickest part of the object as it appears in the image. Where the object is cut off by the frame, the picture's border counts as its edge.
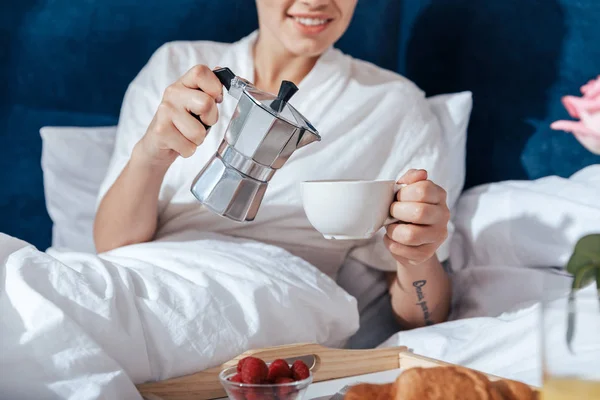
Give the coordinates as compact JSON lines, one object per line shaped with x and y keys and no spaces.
{"x":330,"y":364}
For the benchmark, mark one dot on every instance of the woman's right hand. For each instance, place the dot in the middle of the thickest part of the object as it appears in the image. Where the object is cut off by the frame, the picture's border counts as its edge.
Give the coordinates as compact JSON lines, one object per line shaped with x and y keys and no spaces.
{"x":174,"y":131}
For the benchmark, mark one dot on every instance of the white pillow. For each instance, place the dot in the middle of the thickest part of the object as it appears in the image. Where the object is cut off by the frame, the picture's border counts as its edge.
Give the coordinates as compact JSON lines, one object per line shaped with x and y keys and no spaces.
{"x":74,"y":163}
{"x":453,"y":110}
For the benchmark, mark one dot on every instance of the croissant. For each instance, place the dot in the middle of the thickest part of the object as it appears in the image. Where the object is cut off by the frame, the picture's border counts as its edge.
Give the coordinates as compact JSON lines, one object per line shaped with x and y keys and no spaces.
{"x":442,"y":383}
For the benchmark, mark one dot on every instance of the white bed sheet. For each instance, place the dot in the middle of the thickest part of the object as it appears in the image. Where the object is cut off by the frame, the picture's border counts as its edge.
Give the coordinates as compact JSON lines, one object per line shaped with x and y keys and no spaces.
{"x":507,"y":345}
{"x":512,"y":240}
{"x":79,"y":326}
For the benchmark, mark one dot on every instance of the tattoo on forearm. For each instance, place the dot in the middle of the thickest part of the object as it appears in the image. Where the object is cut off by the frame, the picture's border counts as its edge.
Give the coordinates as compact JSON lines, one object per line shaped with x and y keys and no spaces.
{"x":422,"y":303}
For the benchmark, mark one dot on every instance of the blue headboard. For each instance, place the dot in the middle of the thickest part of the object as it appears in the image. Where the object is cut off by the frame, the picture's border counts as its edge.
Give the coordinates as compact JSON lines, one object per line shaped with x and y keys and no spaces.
{"x":69,"y":63}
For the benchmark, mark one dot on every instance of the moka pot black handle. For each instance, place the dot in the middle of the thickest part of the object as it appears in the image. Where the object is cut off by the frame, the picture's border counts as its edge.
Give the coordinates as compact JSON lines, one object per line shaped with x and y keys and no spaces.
{"x":225,"y":76}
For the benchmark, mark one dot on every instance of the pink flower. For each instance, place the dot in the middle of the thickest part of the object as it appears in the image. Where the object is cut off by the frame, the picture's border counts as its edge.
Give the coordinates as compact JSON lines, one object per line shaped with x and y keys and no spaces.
{"x":587,"y":110}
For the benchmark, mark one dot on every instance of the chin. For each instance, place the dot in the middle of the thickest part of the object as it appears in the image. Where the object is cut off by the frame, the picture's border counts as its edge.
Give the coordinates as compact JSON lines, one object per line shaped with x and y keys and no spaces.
{"x":306,"y":48}
{"x":303,"y":46}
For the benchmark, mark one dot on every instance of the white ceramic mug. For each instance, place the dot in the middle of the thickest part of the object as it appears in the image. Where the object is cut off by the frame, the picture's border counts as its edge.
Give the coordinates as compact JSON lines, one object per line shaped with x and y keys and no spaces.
{"x":349,"y":209}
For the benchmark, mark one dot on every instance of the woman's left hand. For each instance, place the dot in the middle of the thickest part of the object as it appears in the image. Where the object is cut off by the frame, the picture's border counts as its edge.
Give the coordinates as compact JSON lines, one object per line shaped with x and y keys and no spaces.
{"x":421,"y":208}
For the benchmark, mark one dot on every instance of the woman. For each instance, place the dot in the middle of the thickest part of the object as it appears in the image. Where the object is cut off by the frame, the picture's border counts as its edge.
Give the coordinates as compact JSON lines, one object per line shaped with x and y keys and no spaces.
{"x":374,"y":124}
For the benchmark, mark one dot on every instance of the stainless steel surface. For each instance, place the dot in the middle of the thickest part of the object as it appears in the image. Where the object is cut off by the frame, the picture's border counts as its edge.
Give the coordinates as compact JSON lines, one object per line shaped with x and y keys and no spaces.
{"x":245,"y":165}
{"x":263,"y":133}
{"x":227,"y":192}
{"x":238,"y":120}
{"x":307,"y":126}
{"x":288,"y":113}
{"x":256,"y":125}
{"x":287,"y":150}
{"x":275,"y":141}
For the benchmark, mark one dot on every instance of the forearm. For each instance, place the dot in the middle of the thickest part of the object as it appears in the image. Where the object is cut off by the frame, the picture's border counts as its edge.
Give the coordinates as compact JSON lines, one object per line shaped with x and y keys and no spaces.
{"x":128,"y":212}
{"x":421,"y":294}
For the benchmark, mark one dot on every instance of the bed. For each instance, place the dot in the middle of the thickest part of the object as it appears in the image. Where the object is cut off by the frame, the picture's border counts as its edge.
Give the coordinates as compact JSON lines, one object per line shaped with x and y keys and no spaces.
{"x":67,"y":68}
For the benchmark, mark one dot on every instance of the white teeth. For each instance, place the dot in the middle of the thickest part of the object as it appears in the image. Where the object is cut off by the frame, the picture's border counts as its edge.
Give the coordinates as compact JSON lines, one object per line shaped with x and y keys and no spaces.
{"x":310,"y":21}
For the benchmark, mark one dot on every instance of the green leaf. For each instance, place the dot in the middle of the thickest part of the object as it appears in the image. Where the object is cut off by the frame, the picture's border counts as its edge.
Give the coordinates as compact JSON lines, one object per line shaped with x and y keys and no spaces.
{"x":586,"y":253}
{"x":584,"y":264}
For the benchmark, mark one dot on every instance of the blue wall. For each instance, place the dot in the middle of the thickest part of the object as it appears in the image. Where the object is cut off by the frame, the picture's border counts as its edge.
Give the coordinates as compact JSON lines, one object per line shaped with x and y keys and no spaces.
{"x":69,"y":63}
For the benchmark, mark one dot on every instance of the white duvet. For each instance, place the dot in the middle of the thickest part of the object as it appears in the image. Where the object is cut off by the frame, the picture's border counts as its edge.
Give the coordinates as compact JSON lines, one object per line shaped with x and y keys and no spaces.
{"x":78,"y":326}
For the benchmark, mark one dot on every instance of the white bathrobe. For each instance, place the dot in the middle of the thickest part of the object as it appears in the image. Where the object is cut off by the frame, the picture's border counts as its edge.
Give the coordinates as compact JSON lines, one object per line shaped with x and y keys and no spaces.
{"x":374,"y":124}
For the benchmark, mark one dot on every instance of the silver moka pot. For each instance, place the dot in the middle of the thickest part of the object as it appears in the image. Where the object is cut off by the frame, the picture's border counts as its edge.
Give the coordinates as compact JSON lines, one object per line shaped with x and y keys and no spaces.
{"x":262,"y":134}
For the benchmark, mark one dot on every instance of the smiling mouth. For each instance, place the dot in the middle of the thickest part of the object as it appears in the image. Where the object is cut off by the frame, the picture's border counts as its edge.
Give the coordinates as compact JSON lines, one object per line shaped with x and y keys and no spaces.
{"x":311,"y":21}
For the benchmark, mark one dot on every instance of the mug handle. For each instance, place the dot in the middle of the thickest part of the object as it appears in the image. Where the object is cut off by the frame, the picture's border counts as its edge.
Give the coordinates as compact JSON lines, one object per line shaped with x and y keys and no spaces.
{"x":390,"y":220}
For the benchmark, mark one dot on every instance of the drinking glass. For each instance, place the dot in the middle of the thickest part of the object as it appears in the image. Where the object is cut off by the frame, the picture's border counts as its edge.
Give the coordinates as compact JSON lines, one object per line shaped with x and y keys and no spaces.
{"x":570,"y":345}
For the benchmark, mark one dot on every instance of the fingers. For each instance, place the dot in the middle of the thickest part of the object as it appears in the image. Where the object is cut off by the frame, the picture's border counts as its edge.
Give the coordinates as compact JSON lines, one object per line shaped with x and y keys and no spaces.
{"x":419,"y":213}
{"x":572,"y":126}
{"x":178,"y":127}
{"x":194,"y":101}
{"x":189,"y":127}
{"x":423,"y":191}
{"x":422,"y":208}
{"x":571,"y":104}
{"x":416,"y":235}
{"x":170,"y":138}
{"x":413,"y":255}
{"x":201,"y":77}
{"x":412,"y":176}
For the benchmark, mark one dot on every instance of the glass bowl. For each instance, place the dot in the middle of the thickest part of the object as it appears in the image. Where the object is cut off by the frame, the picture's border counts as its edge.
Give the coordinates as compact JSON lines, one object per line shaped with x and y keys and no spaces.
{"x":269,"y":391}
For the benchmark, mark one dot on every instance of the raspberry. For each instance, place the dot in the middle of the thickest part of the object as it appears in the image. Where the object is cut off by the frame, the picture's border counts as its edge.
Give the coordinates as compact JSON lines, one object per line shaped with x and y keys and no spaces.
{"x":252,"y":395}
{"x":283,"y":380}
{"x":254,"y":370}
{"x":279,"y":369}
{"x":300,"y":370}
{"x":240,"y":364}
{"x":284,"y":391}
{"x":236,"y":378}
